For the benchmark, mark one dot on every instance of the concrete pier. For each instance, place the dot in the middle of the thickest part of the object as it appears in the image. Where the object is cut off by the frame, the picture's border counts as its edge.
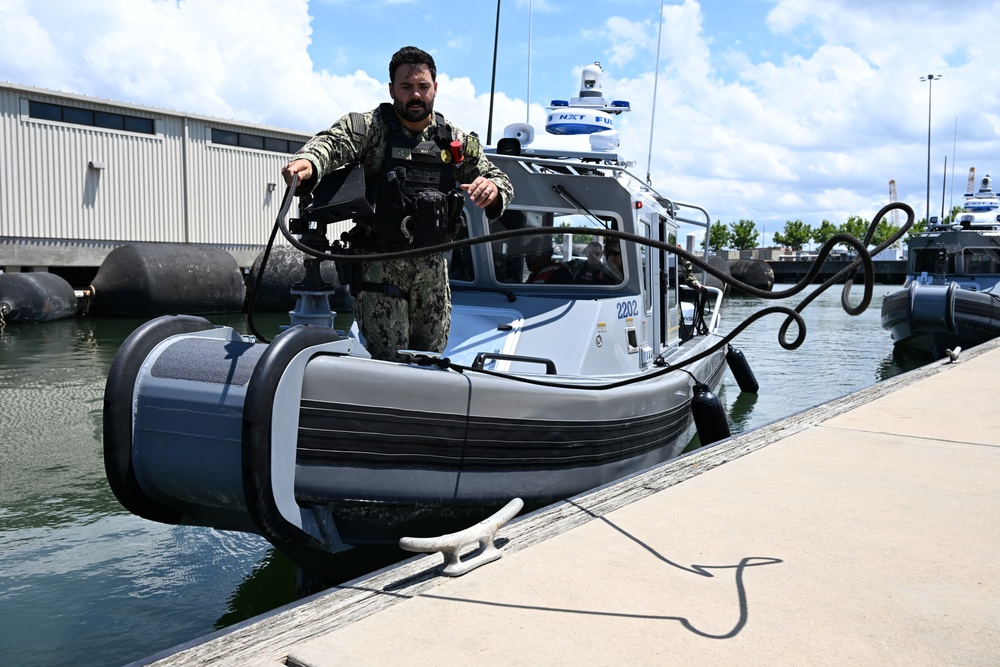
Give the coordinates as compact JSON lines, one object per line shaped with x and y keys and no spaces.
{"x":865,"y":531}
{"x":887,"y":272}
{"x":57,"y":255}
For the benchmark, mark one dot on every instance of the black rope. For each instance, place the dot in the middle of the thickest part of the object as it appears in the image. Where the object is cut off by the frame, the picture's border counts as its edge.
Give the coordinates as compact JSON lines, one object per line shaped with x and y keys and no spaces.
{"x":792,"y":316}
{"x":286,"y":204}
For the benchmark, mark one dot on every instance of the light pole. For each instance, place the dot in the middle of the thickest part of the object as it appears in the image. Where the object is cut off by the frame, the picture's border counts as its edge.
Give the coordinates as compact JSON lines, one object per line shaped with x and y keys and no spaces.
{"x":930,"y":79}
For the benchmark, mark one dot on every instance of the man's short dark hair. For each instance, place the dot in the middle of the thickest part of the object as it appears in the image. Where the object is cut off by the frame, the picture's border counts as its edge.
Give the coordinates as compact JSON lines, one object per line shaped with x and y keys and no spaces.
{"x":411,"y":55}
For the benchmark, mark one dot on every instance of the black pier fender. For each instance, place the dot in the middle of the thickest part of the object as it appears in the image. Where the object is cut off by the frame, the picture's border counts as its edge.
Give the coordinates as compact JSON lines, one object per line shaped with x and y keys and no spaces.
{"x":932,"y":308}
{"x":118,"y":393}
{"x":258,"y":409}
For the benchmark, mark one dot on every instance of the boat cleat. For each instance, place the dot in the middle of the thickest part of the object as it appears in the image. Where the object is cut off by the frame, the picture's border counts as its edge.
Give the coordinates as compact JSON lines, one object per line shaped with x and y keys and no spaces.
{"x":415,"y":356}
{"x":451,"y":545}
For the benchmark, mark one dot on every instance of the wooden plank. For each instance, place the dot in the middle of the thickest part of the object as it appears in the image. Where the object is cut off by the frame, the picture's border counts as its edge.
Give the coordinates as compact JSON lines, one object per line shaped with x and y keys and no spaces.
{"x":266,"y":640}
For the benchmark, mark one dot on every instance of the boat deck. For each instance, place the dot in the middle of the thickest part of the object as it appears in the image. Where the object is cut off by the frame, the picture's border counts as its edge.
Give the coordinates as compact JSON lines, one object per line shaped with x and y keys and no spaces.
{"x":863,"y":531}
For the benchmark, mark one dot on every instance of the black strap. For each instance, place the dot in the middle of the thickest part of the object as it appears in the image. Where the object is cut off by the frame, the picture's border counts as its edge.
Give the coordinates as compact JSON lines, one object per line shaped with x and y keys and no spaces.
{"x":386,"y":288}
{"x":373,"y":242}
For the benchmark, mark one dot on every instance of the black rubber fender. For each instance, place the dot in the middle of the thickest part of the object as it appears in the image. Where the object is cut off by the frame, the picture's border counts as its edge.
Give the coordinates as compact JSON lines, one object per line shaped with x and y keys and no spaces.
{"x":35,"y":297}
{"x":932,"y":308}
{"x":709,"y":415}
{"x":118,"y":412}
{"x":148,"y":279}
{"x":754,"y":272}
{"x":284,"y":269}
{"x":740,"y":368}
{"x":258,"y":407}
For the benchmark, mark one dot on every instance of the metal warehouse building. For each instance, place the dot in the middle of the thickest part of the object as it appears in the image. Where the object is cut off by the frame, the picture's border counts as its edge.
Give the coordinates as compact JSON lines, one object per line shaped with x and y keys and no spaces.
{"x":82,"y":175}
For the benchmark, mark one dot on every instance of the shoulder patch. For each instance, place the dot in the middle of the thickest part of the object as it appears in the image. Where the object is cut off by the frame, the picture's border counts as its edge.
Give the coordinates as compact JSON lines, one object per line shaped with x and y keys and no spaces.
{"x":358,"y":124}
{"x":471,"y":146}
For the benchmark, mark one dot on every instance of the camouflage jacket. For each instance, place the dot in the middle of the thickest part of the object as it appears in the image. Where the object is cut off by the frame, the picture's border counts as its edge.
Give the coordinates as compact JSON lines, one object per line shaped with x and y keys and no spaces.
{"x":341,"y":144}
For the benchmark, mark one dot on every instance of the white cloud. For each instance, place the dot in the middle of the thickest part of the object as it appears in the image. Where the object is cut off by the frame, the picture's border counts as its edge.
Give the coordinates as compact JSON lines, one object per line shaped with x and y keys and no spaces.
{"x":627,"y":39}
{"x":835,"y":122}
{"x":816,"y":128}
{"x":27,"y":51}
{"x":684,"y":49}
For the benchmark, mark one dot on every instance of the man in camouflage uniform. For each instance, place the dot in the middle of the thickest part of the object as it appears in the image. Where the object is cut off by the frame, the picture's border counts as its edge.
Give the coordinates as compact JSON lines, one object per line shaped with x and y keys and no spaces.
{"x":406,"y":303}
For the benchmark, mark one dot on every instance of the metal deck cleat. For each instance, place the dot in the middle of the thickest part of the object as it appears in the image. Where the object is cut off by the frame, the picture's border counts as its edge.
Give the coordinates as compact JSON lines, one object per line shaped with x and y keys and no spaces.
{"x":451,"y":545}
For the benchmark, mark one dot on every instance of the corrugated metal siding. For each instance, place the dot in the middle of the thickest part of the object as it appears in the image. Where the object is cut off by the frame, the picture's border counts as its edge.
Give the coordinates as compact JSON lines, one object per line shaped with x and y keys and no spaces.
{"x":229,"y":197}
{"x":59,"y":195}
{"x":161,"y":187}
{"x":9,"y":221}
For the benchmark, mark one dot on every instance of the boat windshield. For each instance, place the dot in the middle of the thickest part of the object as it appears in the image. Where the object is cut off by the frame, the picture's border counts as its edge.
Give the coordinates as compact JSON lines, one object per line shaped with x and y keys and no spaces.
{"x":557,"y":258}
{"x":980,"y":261}
{"x":931,"y":260}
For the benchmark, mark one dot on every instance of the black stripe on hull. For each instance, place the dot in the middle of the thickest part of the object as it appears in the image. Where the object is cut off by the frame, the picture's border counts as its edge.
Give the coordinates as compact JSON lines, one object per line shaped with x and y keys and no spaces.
{"x":334,"y":434}
{"x":331,"y":436}
{"x":978,"y":311}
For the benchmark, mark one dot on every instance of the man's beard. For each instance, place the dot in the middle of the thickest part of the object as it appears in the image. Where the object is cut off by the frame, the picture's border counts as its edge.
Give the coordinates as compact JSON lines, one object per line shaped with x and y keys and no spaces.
{"x":415,"y":112}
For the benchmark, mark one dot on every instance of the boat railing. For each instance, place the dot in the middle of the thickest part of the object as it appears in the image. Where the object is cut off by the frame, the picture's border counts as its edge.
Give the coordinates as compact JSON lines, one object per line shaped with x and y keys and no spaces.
{"x":706,"y":224}
{"x":701,"y":308}
{"x":716,"y":307}
{"x":480,"y":361}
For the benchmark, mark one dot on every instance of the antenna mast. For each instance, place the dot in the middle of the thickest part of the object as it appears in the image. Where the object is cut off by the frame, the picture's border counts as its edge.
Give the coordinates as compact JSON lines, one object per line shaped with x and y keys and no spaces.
{"x":652,"y":120}
{"x":954,"y":146}
{"x":493,"y":80}
{"x":527,"y":101}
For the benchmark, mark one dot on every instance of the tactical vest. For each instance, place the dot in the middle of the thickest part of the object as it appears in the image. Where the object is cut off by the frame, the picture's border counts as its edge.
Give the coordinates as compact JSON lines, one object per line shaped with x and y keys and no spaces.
{"x":410,"y":167}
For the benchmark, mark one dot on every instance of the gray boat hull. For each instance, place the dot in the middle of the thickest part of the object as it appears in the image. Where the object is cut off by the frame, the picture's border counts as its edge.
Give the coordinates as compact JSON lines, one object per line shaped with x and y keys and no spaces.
{"x":929,"y":319}
{"x":311,"y":447}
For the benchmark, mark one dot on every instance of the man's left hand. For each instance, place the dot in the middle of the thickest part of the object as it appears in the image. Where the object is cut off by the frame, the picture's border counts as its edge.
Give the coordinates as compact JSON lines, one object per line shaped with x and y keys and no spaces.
{"x":482,"y":191}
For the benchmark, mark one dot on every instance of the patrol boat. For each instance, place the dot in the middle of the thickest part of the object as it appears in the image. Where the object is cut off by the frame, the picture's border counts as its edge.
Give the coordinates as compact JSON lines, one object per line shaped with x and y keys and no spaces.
{"x":950,"y":298}
{"x":544,"y":390}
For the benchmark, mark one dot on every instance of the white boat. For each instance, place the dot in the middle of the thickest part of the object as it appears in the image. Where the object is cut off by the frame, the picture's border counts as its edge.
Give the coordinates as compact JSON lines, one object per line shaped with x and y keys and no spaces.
{"x":950,"y":297}
{"x":544,"y":390}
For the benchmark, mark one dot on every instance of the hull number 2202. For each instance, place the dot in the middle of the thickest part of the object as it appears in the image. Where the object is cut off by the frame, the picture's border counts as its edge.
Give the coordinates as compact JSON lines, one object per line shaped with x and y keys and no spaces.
{"x":628,"y":309}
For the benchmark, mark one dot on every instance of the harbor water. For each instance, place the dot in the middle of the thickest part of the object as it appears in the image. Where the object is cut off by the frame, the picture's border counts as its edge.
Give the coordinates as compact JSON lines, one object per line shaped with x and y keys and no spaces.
{"x":83,"y":582}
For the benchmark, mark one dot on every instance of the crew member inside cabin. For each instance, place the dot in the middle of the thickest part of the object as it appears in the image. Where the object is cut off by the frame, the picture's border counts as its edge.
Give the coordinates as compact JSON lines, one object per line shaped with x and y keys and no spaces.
{"x":544,"y":269}
{"x":594,"y":271}
{"x":417,"y":164}
{"x":613,"y":253}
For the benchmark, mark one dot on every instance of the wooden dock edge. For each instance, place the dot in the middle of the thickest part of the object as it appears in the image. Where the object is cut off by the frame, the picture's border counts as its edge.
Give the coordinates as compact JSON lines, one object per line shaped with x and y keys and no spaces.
{"x":267,"y":639}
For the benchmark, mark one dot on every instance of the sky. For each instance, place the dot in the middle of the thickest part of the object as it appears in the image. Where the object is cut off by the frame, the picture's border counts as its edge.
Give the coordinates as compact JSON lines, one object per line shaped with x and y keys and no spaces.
{"x":765,"y":110}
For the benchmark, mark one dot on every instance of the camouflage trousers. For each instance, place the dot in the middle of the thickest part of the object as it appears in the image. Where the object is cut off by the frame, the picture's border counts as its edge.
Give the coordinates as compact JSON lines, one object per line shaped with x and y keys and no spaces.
{"x":420,"y":322}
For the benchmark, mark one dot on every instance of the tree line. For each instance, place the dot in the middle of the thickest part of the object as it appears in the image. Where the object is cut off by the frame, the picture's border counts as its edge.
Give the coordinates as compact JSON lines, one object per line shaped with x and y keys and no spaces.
{"x":743,"y":235}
